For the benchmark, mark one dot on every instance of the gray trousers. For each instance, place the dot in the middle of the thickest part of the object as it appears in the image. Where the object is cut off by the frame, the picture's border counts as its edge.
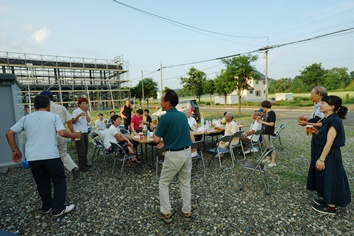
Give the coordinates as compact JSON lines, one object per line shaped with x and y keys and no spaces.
{"x":68,"y":162}
{"x":176,"y":162}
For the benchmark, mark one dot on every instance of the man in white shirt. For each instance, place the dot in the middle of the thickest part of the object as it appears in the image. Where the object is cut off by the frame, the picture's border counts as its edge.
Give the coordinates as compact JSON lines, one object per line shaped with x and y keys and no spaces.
{"x":230,"y":128}
{"x":246,"y":136}
{"x":42,"y":154}
{"x":65,"y":117}
{"x":191,"y":121}
{"x":100,"y":125}
{"x":80,"y":118}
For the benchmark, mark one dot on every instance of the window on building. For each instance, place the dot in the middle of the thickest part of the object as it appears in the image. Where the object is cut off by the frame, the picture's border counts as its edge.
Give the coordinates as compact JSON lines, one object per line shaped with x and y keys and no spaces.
{"x":258,"y":93}
{"x":263,"y":81}
{"x":257,"y":81}
{"x":251,"y":91}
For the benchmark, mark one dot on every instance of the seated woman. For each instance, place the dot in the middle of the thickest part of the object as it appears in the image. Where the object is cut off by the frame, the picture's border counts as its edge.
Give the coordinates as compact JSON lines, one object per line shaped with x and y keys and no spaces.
{"x":137,"y":121}
{"x":113,"y":135}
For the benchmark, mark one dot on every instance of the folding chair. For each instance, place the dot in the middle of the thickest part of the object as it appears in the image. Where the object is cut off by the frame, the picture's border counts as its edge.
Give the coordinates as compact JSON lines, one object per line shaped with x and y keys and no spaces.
{"x":257,"y":166}
{"x":217,"y":151}
{"x":122,"y":156}
{"x":199,"y":157}
{"x":276,"y":135}
{"x":238,"y":134}
{"x":258,"y":143}
{"x":99,"y":149}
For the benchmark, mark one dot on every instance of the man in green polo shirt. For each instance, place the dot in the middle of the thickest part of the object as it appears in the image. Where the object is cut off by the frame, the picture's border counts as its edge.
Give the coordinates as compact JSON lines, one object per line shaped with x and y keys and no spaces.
{"x":173,"y":129}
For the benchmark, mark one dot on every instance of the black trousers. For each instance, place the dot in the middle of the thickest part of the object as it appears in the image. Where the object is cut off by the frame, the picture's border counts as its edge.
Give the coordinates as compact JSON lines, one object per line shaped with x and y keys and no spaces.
{"x":44,"y":172}
{"x":82,"y":150}
{"x":127,"y":122}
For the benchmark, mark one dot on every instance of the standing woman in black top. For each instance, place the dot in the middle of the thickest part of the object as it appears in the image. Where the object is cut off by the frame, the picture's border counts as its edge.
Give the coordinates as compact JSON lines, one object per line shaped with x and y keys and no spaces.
{"x":126,"y":113}
{"x":327,"y":175}
{"x":268,"y":123}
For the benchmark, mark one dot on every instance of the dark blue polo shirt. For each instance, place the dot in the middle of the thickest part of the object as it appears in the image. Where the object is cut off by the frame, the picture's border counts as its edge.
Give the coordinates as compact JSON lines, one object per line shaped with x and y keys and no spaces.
{"x":174,"y":129}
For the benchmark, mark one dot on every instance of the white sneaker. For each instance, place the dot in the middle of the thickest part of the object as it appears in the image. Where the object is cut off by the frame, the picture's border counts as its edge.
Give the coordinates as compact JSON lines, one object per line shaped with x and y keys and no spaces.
{"x":272,"y":165}
{"x":66,"y":210}
{"x":247,"y":151}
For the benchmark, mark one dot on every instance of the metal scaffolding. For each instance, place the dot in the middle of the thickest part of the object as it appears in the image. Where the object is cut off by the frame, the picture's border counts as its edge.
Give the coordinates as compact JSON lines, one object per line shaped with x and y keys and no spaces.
{"x":104,"y":83}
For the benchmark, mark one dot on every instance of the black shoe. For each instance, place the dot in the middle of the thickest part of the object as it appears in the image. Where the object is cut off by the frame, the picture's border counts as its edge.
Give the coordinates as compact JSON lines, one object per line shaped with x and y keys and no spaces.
{"x":324,"y":209}
{"x":76,"y":173}
{"x":319,"y":202}
{"x":84,"y":169}
{"x":89,"y":165}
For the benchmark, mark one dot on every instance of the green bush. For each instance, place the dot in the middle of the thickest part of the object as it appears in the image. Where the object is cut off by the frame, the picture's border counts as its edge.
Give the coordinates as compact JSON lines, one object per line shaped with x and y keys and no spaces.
{"x":348,"y":100}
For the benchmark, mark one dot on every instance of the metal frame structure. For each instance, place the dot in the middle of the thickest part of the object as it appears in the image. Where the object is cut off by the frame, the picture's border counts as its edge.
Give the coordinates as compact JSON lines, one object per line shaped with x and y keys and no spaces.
{"x":104,"y":83}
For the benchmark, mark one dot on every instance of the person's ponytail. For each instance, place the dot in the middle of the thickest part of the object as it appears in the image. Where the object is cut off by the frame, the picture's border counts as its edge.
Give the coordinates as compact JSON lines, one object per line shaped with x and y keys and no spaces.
{"x":342,"y":112}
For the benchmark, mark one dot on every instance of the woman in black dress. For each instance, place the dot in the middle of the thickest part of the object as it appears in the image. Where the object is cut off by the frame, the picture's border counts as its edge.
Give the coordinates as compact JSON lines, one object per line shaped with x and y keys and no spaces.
{"x":327,"y":175}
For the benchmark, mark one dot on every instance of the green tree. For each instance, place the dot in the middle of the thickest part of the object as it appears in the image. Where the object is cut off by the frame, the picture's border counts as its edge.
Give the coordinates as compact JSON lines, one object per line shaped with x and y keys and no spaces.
{"x":313,"y":74}
{"x":241,"y":71}
{"x":209,"y":88}
{"x":223,"y":85}
{"x":194,"y":82}
{"x":280,"y":86}
{"x":298,"y":86}
{"x":150,"y":90}
{"x":336,"y":78}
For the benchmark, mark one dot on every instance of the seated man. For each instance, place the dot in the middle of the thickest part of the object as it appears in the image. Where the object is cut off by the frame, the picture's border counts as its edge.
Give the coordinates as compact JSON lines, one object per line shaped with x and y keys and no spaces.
{"x":246,"y":136}
{"x":147,"y":119}
{"x":100,"y":125}
{"x":191,"y":121}
{"x":113,"y":135}
{"x":112,"y":113}
{"x":231,"y":127}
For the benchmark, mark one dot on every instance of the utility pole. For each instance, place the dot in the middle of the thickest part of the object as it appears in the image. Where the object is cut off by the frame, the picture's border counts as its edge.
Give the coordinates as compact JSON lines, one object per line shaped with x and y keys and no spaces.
{"x":142,"y":86}
{"x":160,"y":80}
{"x":266,"y":73}
{"x":29,"y":77}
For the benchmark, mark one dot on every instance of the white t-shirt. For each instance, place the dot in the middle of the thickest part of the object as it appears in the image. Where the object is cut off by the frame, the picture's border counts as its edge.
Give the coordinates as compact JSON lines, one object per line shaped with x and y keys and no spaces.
{"x":192,"y":122}
{"x":41,"y":130}
{"x":109,"y":136}
{"x":100,"y":125}
{"x":255,"y":126}
{"x":81,"y":123}
{"x":64,"y":115}
{"x":61,"y":111}
{"x":231,"y":128}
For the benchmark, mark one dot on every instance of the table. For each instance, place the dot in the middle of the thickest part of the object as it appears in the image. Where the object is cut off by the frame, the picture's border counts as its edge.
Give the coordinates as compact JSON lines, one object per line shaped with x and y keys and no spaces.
{"x":210,"y":132}
{"x":144,"y":142}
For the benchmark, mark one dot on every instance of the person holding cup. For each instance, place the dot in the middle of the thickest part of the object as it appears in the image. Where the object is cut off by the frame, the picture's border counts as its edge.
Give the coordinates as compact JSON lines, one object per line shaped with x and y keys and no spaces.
{"x":326,"y":173}
{"x":317,"y":94}
{"x":43,"y":156}
{"x":80,"y":118}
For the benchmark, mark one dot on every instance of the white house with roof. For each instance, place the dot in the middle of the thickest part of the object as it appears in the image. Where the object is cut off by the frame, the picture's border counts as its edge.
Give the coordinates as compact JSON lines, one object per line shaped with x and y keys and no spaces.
{"x":256,"y":92}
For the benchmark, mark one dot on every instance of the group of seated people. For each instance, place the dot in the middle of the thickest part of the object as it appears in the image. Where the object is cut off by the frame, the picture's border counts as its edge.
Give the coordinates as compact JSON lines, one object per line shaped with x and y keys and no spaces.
{"x":247,"y":137}
{"x":110,"y":132}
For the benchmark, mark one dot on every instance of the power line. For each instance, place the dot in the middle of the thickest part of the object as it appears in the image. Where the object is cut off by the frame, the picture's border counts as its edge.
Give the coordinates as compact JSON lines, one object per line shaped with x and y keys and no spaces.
{"x":341,"y":32}
{"x":182,"y":24}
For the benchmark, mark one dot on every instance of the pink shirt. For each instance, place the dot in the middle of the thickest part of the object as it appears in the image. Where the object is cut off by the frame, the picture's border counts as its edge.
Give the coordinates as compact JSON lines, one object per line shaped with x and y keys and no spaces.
{"x":136,"y":121}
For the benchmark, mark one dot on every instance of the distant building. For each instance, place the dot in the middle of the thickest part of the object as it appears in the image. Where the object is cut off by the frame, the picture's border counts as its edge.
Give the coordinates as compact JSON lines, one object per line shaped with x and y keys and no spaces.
{"x":256,"y":92}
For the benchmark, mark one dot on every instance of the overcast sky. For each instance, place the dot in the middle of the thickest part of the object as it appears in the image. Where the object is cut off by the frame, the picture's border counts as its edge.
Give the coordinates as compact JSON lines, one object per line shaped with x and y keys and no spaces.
{"x":104,"y":29}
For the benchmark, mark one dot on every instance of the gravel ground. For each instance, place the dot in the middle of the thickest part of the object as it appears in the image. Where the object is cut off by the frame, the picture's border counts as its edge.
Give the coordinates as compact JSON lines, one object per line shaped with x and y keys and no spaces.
{"x":108,"y":206}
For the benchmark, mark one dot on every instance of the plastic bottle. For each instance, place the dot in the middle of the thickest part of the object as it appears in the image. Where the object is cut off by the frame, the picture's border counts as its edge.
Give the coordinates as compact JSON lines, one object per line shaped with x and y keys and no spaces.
{"x":202,"y":121}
